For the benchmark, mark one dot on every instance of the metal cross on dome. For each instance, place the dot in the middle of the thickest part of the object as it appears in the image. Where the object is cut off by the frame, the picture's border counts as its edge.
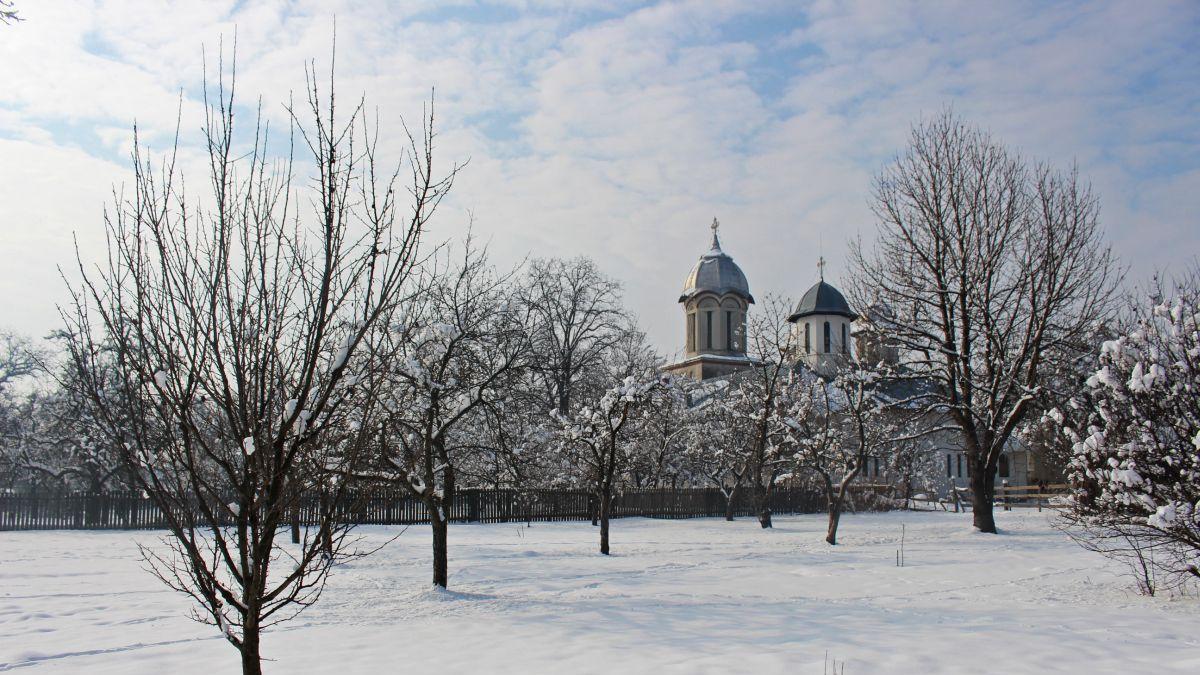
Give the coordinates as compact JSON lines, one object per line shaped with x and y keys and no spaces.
{"x":821,"y":267}
{"x":716,"y":243}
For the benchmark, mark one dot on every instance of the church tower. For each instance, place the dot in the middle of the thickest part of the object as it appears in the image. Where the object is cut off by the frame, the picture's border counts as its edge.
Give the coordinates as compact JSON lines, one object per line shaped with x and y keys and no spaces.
{"x":715,"y":300}
{"x":822,"y":323}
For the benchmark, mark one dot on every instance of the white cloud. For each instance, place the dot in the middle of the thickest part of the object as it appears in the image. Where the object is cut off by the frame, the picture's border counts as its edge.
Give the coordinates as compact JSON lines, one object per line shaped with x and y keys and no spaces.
{"x":619,"y":131}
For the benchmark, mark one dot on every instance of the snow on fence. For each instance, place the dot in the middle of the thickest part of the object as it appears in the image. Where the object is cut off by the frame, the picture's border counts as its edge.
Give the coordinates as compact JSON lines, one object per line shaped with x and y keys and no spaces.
{"x":131,"y":510}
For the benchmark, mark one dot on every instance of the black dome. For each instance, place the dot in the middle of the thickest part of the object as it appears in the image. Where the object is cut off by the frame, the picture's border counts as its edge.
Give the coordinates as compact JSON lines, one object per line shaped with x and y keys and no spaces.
{"x":822,"y":299}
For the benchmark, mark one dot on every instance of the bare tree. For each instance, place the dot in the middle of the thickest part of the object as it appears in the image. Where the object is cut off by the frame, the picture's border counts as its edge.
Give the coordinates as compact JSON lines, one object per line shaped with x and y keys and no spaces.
{"x":991,"y":266}
{"x":242,"y":325}
{"x":715,"y":452}
{"x":757,"y":403}
{"x":576,"y":319}
{"x":18,"y":361}
{"x":910,"y":465}
{"x":516,"y":437}
{"x":60,"y":442}
{"x":452,"y":358}
{"x":19,"y":358}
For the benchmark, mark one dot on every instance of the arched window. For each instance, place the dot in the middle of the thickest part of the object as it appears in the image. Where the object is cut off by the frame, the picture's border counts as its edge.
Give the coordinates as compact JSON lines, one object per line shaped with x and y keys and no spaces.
{"x":691,"y":331}
{"x":708,"y":342}
{"x":845,"y":344}
{"x":807,"y":337}
{"x":827,"y":339}
{"x":729,"y":331}
{"x":1003,"y":466}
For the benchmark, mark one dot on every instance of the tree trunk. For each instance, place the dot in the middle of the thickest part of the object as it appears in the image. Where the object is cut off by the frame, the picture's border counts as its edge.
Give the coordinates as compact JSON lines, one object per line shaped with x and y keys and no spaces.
{"x":605,"y":510}
{"x":761,"y":507}
{"x":764,"y":517}
{"x":440,"y":533}
{"x":326,"y":521}
{"x":982,"y":492}
{"x":296,"y":525}
{"x":251,"y":658}
{"x":731,"y":500}
{"x":835,"y":514}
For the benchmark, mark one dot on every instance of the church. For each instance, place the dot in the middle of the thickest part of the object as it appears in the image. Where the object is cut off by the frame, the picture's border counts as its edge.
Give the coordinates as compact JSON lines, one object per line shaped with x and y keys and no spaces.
{"x":716,"y":300}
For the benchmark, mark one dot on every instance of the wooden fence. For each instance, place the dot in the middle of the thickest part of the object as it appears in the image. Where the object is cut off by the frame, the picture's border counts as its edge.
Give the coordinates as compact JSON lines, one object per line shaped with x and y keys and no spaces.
{"x":1005,"y":497}
{"x":1008,"y":496}
{"x":129,"y":510}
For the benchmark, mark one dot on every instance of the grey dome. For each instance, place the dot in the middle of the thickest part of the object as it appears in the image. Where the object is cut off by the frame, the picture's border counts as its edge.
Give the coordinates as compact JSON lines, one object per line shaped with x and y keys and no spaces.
{"x":716,"y":273}
{"x":822,"y":299}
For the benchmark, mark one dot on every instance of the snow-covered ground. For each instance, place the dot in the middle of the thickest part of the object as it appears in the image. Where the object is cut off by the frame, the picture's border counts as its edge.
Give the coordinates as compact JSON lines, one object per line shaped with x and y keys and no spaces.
{"x":692,"y":596}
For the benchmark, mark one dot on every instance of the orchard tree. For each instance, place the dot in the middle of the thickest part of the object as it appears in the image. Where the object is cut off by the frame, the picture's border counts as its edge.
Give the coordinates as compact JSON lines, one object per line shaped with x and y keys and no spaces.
{"x":597,"y":439}
{"x":910,"y":465}
{"x":515,"y":446}
{"x":834,"y":427}
{"x":757,"y":408}
{"x":1135,"y":473}
{"x":662,"y":437}
{"x":714,"y":452}
{"x":450,"y":358}
{"x":993,"y":267}
{"x":240,"y":324}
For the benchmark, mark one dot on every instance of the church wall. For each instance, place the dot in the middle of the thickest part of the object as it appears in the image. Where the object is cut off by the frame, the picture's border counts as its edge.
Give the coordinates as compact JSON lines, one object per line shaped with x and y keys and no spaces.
{"x":701,"y":369}
{"x":815,"y":354}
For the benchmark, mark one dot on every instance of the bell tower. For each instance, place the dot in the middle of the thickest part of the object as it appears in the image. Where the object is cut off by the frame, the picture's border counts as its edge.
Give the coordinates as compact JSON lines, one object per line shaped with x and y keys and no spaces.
{"x":822,"y":322}
{"x":715,"y":300}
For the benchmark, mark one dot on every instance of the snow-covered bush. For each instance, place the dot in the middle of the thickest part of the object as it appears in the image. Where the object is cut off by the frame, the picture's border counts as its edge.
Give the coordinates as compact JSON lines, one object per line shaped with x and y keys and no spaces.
{"x":1136,"y":468}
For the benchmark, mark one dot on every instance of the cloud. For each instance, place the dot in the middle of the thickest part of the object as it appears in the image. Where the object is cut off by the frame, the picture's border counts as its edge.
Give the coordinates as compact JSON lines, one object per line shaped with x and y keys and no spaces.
{"x":618,"y":130}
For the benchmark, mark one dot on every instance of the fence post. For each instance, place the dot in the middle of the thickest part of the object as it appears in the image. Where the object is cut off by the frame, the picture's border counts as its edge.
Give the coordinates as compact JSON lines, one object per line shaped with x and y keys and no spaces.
{"x":472,"y":506}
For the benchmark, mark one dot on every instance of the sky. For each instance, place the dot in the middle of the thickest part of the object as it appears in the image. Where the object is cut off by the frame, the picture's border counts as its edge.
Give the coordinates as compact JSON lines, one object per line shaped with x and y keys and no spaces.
{"x":616,"y":130}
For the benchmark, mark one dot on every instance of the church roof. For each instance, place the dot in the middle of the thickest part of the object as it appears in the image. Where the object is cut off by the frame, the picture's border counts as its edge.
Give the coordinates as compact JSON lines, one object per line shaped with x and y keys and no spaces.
{"x":716,"y":273}
{"x":822,"y":299}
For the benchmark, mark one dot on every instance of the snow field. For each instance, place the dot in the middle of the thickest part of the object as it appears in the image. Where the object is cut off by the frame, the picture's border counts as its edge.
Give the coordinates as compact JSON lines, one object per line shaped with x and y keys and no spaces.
{"x":688,"y":596}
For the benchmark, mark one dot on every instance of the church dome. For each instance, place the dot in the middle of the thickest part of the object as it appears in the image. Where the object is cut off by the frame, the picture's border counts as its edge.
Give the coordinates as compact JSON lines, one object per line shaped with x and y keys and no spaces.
{"x":822,"y":299}
{"x":716,"y":273}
